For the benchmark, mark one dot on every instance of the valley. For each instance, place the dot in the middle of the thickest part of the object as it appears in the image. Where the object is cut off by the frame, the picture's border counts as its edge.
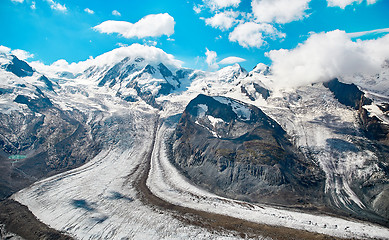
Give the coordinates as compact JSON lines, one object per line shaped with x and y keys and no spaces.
{"x":107,"y":140}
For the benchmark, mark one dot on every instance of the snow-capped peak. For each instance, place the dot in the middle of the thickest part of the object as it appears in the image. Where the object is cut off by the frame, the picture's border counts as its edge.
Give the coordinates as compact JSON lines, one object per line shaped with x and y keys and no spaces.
{"x":137,"y":54}
{"x":231,"y":73}
{"x":261,"y":68}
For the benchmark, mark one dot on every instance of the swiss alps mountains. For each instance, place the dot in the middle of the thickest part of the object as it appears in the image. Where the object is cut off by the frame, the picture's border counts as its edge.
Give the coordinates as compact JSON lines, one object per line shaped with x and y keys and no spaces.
{"x":322,"y":147}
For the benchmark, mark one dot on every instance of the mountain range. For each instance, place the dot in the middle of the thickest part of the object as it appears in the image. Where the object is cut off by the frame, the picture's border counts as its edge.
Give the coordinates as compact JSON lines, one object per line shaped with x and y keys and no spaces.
{"x":75,"y":141}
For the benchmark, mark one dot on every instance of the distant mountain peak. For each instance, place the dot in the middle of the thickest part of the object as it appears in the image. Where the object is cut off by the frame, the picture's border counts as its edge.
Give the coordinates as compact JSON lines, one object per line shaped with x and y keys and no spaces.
{"x":18,"y":67}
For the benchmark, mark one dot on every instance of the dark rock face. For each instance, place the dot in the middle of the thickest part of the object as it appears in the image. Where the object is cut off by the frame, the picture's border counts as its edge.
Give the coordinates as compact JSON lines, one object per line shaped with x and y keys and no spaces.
{"x":35,"y":105}
{"x":18,"y":219}
{"x":115,"y":72}
{"x":49,"y":140}
{"x":19,"y":68}
{"x":235,"y":150}
{"x":265,"y":93}
{"x":373,"y":127}
{"x":49,"y":84}
{"x":347,"y":94}
{"x":350,"y":95}
{"x":121,"y":72}
{"x":374,"y":190}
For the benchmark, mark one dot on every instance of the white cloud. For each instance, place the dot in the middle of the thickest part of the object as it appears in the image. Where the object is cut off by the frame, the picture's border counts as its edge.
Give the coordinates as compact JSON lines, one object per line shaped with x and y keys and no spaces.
{"x":223,"y":20}
{"x":122,"y":44}
{"x":116,"y":13}
{"x":149,"y":42}
{"x":324,"y":56}
{"x":87,"y":10}
{"x":4,"y":49}
{"x":211,"y":59}
{"x":151,"y":55}
{"x":33,"y":6}
{"x":153,"y":25}
{"x":57,"y":6}
{"x":18,"y":1}
{"x":344,"y":3}
{"x":198,"y":8}
{"x":21,"y":54}
{"x":279,"y":11}
{"x":219,"y":4}
{"x":231,"y":60}
{"x":252,"y":34}
{"x":360,"y":34}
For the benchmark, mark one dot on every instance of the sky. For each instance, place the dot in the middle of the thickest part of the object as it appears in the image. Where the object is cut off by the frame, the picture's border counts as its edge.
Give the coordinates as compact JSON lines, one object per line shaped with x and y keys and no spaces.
{"x":203,"y":34}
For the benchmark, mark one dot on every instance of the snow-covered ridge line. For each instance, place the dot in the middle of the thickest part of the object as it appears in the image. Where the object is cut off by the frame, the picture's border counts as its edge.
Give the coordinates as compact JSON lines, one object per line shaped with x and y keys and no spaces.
{"x":167,"y":183}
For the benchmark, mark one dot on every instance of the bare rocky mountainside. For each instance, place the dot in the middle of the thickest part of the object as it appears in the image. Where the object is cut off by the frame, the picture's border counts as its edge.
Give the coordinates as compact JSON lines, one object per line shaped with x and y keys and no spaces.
{"x":40,"y":139}
{"x":133,"y":146}
{"x":237,"y":151}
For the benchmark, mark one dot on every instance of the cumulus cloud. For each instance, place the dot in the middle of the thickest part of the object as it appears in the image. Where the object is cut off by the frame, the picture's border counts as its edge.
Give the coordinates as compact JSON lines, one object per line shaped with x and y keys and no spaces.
{"x":252,"y":34}
{"x":153,"y":25}
{"x":18,"y":1}
{"x":231,"y":60}
{"x":324,"y":56}
{"x":198,"y":8}
{"x":21,"y":54}
{"x":87,"y":10}
{"x":219,"y":4}
{"x":211,"y":57}
{"x":223,"y":20}
{"x":57,"y":6}
{"x":33,"y":6}
{"x":279,"y":11}
{"x":4,"y":49}
{"x":344,"y":3}
{"x":116,"y":13}
{"x":151,"y":55}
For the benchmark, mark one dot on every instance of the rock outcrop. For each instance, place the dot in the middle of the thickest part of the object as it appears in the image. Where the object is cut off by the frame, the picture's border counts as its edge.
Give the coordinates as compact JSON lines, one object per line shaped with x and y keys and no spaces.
{"x":235,"y":150}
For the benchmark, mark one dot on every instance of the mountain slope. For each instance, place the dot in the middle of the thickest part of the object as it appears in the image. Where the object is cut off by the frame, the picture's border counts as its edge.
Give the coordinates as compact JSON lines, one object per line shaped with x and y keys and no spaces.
{"x":241,"y":138}
{"x":235,"y":150}
{"x":37,"y":137}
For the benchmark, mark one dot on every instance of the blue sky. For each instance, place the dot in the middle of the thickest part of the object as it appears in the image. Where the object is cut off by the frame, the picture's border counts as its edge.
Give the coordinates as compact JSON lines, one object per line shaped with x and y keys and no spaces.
{"x":244,"y":29}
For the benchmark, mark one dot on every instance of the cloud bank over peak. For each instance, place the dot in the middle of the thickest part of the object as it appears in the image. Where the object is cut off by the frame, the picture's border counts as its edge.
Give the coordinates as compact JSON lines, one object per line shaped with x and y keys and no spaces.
{"x":231,"y":60}
{"x":151,"y":54}
{"x":21,"y":54}
{"x":324,"y":56}
{"x":153,"y":25}
{"x":213,"y":64}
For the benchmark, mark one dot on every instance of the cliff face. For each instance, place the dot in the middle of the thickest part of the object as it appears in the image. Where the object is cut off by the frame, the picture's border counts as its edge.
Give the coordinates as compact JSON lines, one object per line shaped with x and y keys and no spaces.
{"x":350,"y":95}
{"x":235,"y":150}
{"x":38,"y":138}
{"x":373,"y":190}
